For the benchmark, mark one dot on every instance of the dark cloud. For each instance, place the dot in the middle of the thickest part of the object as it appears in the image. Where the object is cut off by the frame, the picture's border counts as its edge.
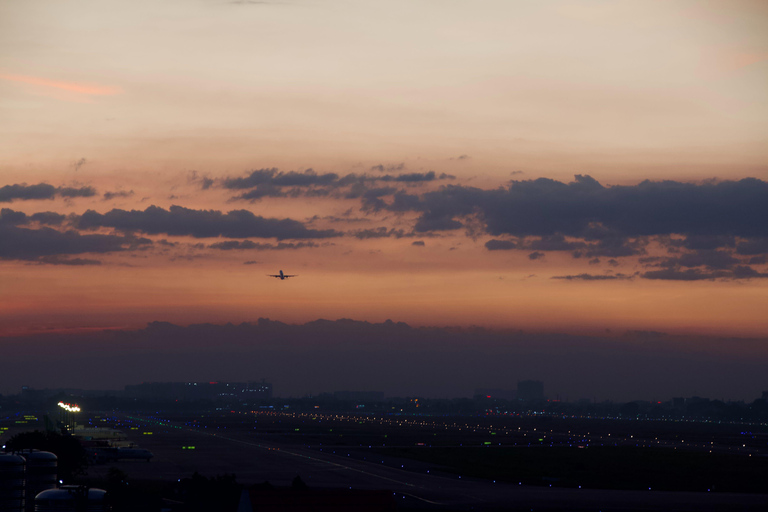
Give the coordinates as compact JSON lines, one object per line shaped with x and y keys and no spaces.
{"x":180,"y":221}
{"x":388,"y":168}
{"x":753,"y":246}
{"x":702,"y":222}
{"x":535,"y":255}
{"x":8,"y":216}
{"x":117,"y":194}
{"x":247,"y":244}
{"x":204,"y":181}
{"x":412,"y":177}
{"x":26,"y":192}
{"x":418,"y":243}
{"x":32,"y":244}
{"x":500,"y":245}
{"x":617,"y":247}
{"x":274,"y":177}
{"x":58,"y":260}
{"x":49,"y":218}
{"x":545,"y":207}
{"x":76,"y":192}
{"x":698,"y":242}
{"x":274,"y":183}
{"x":261,"y":191}
{"x":380,"y":232}
{"x":12,"y":217}
{"x":556,"y":242}
{"x":695,"y":274}
{"x":593,"y":277}
{"x":436,"y":223}
{"x":713,"y":259}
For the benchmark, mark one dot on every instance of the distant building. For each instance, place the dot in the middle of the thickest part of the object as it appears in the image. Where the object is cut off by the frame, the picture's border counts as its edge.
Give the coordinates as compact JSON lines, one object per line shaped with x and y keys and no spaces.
{"x":259,"y":390}
{"x":191,"y":391}
{"x":360,"y":396}
{"x":502,"y":394}
{"x":528,"y":390}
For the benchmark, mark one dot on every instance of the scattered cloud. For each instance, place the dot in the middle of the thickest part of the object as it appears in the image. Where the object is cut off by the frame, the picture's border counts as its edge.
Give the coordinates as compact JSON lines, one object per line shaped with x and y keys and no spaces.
{"x":180,"y":221}
{"x":79,"y":163}
{"x":388,"y":168}
{"x":695,"y":274}
{"x":500,"y":245}
{"x":37,"y":244}
{"x":380,"y":232}
{"x":24,"y":192}
{"x":58,"y":260}
{"x":593,"y":277}
{"x":247,"y":244}
{"x":586,"y":209}
{"x":271,"y":182}
{"x":117,"y":194}
{"x":12,"y":217}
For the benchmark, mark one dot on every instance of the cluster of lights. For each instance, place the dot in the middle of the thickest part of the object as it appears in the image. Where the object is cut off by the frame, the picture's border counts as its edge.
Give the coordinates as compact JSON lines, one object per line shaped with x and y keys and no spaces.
{"x":69,"y":407}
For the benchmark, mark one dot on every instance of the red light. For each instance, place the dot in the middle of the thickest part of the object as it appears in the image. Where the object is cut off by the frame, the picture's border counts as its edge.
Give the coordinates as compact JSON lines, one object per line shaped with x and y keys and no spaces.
{"x":488,"y":396}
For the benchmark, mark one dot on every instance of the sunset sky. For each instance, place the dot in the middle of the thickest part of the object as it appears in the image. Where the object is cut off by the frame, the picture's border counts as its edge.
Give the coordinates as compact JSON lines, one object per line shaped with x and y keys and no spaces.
{"x":590,"y":167}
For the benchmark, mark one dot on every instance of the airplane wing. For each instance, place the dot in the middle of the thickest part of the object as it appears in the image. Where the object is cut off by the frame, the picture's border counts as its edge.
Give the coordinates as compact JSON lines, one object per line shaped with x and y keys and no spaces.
{"x":290,"y":275}
{"x":274,"y":275}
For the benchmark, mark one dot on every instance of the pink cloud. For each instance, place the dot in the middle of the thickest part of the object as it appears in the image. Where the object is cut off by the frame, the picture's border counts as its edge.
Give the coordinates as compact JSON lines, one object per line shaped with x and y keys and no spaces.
{"x":73,"y":87}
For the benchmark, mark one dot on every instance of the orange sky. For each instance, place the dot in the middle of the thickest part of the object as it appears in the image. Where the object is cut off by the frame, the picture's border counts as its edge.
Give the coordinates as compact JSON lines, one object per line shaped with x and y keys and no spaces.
{"x":142,"y":102}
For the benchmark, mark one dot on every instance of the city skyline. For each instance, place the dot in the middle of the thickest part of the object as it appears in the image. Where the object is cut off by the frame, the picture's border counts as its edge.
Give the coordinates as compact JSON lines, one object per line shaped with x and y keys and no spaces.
{"x":393,"y":358}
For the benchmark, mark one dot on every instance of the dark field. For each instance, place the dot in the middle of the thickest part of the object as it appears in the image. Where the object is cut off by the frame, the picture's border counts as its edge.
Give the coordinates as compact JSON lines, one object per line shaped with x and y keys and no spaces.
{"x":458,"y":463}
{"x":461,"y":463}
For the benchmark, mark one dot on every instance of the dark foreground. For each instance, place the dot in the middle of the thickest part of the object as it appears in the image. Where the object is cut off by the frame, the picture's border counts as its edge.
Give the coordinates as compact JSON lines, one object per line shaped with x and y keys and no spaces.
{"x":437,"y":463}
{"x":461,"y":464}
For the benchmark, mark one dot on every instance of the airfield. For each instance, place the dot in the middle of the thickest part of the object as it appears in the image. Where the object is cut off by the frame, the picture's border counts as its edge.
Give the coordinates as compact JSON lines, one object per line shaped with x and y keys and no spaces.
{"x":401,"y":454}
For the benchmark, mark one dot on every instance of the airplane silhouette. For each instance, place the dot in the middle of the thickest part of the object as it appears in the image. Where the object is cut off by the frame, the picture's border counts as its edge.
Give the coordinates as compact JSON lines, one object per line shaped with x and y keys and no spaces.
{"x":282,"y":276}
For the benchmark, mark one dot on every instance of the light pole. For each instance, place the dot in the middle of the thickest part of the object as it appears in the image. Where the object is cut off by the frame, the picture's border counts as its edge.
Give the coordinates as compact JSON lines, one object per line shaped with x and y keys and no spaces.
{"x":68,"y":410}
